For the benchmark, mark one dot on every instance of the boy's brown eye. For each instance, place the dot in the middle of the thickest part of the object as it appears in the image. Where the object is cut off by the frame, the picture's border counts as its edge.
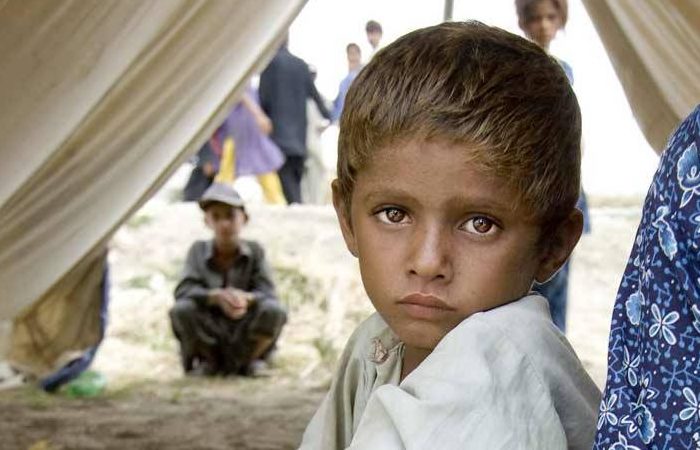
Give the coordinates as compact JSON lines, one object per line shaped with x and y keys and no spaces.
{"x":395,"y":215}
{"x":391,"y":216}
{"x":481,"y":226}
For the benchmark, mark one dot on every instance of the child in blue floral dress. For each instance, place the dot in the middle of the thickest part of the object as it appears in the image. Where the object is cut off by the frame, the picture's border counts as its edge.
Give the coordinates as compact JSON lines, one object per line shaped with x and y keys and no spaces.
{"x":652,"y":397}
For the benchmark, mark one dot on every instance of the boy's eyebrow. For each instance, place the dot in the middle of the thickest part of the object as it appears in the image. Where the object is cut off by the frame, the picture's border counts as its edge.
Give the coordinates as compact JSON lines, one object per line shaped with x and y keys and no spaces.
{"x":382,"y":194}
{"x":493,"y":203}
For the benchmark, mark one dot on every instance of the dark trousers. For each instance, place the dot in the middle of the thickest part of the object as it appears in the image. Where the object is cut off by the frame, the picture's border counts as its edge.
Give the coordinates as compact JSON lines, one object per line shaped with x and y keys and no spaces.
{"x":196,"y":185}
{"x":226,"y":345}
{"x":290,"y":175}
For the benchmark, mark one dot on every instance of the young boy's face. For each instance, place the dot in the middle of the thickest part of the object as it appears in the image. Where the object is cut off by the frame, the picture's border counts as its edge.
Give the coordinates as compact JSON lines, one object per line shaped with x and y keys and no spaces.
{"x":226,"y":222}
{"x":373,"y":37}
{"x":542,"y":23}
{"x":437,"y":240}
{"x":354,"y":57}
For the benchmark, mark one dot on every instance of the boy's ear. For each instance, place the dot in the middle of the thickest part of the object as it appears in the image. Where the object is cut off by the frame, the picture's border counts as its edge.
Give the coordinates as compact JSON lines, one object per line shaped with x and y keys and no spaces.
{"x":560,"y":246}
{"x":245,"y":216}
{"x":207,"y":222}
{"x":342,"y":210}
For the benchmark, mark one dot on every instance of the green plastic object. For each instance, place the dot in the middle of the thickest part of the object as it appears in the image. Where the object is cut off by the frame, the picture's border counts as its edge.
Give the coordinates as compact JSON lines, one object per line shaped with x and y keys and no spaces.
{"x":88,"y":384}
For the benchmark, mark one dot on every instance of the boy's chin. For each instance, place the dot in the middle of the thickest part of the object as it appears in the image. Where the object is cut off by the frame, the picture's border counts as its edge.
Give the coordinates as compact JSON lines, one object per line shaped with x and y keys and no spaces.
{"x":229,"y":240}
{"x":425,"y":340}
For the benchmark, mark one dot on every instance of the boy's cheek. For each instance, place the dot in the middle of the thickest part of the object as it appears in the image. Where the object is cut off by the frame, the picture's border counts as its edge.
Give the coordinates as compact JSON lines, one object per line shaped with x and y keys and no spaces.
{"x":348,"y":236}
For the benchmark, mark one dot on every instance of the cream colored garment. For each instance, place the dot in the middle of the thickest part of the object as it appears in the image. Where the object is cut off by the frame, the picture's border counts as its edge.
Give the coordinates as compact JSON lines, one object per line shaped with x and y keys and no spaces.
{"x":101,"y":102}
{"x":357,"y":376}
{"x":315,"y":184}
{"x":655,"y":49}
{"x":502,"y":379}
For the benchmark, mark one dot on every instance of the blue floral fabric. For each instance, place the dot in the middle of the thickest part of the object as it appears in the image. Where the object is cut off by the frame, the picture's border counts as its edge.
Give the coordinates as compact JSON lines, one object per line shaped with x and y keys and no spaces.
{"x":652,"y":396}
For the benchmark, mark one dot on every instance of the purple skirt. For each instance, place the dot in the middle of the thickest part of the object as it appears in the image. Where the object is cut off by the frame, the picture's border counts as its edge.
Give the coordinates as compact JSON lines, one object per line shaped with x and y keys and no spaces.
{"x":256,"y":154}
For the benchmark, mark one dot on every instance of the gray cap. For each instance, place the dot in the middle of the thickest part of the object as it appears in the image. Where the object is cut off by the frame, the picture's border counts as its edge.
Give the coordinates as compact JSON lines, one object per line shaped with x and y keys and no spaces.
{"x":221,"y":193}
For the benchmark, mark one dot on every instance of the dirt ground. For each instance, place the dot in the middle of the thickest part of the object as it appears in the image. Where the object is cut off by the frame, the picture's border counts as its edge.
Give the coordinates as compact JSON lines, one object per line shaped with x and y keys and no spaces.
{"x":187,"y":414}
{"x":149,"y":405}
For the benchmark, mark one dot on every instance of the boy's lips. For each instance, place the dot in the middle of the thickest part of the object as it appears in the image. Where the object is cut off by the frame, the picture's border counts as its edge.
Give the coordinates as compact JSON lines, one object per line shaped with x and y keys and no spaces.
{"x":424,"y":306}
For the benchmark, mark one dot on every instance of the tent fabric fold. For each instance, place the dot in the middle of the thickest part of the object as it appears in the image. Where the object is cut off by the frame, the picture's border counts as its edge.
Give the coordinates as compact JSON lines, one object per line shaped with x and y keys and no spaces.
{"x":52,"y":332}
{"x":102,"y":101}
{"x":654,"y":47}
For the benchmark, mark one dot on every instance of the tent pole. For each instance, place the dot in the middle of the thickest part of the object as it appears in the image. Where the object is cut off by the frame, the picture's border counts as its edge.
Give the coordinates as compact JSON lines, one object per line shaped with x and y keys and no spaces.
{"x":449,"y":7}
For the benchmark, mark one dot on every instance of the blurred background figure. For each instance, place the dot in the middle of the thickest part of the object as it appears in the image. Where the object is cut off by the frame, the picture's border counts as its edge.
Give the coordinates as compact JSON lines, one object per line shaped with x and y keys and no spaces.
{"x":354,"y":55}
{"x":206,"y":166}
{"x":374,"y":36}
{"x":285,"y":85}
{"x":246,"y":148}
{"x":541,"y":20}
{"x":239,"y":147}
{"x":315,"y":184}
{"x":226,"y":316}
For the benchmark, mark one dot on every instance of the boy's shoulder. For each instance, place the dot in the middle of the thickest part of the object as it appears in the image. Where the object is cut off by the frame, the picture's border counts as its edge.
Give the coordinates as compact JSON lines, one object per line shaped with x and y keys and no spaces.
{"x":247,"y":246}
{"x":526,"y":329}
{"x":526,"y":323}
{"x":201,"y":247}
{"x":520,"y":333}
{"x":251,"y":247}
{"x":532,"y":307}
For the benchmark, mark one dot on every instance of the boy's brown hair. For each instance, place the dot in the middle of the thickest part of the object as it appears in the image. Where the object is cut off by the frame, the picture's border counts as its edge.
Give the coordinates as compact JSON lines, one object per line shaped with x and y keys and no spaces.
{"x":468,"y":83}
{"x":372,"y":26}
{"x":524,"y":10}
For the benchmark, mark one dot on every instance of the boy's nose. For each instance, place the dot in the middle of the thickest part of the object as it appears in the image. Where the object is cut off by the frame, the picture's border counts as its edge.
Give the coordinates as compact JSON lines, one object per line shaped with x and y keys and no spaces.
{"x":430,"y":254}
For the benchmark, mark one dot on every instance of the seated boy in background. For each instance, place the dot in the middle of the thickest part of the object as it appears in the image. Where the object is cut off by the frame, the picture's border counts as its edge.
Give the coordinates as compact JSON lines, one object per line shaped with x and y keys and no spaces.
{"x":226,"y":314}
{"x":458,"y":175}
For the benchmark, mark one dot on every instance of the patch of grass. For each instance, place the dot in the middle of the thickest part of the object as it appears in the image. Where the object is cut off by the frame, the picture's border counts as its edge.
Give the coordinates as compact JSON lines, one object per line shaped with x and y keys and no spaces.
{"x":36,"y":398}
{"x":161,"y":342}
{"x":43,"y":444}
{"x":176,"y":396}
{"x":357,"y":316}
{"x":139,"y":282}
{"x":138,"y":221}
{"x":174,"y":195}
{"x":326,"y":350}
{"x":128,"y":389}
{"x":172,"y":270}
{"x":295,"y":288}
{"x":621,"y":201}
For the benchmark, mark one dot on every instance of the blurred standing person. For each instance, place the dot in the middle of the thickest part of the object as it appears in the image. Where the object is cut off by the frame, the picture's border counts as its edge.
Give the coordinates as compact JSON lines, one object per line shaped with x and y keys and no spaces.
{"x":354,"y":55}
{"x":247,"y":149}
{"x":285,"y":85}
{"x":541,"y":20}
{"x":374,"y":36}
{"x":315,"y":185}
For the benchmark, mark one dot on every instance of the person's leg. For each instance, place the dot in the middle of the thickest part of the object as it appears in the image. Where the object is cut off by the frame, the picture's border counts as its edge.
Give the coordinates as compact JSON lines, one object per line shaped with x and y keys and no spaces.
{"x":182,"y":320}
{"x":266,"y":327}
{"x":313,"y":179}
{"x":286,"y":176}
{"x":556,"y":293}
{"x":196,"y":185}
{"x":260,"y":329}
{"x":290,"y":175}
{"x":272,"y":188}
{"x":196,"y":334}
